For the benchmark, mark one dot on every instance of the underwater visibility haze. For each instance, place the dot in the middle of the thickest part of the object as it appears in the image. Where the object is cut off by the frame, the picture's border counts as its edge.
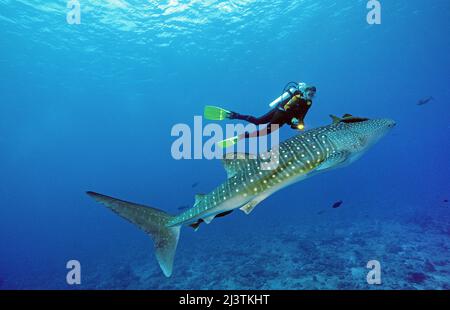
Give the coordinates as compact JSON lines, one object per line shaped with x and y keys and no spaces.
{"x":92,"y":107}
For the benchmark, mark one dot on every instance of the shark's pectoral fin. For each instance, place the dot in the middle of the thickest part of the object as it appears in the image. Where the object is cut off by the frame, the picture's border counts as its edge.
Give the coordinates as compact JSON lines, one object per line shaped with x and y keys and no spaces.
{"x":333,"y":160}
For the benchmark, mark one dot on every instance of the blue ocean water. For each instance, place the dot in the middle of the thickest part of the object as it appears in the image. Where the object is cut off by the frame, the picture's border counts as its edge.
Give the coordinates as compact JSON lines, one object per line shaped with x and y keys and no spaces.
{"x":91,"y":107}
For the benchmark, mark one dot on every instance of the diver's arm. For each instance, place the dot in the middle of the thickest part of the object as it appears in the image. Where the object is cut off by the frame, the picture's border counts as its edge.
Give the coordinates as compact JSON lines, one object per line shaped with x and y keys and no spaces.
{"x":297,"y":125}
{"x":298,"y":122}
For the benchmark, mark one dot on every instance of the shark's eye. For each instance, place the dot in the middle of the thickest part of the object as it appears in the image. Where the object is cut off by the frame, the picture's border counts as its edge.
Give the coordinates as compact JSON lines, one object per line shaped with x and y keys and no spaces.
{"x":362,"y":140}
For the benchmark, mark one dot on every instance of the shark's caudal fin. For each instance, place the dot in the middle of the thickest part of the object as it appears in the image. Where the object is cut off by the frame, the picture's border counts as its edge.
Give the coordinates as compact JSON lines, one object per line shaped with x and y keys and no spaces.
{"x":150,"y":220}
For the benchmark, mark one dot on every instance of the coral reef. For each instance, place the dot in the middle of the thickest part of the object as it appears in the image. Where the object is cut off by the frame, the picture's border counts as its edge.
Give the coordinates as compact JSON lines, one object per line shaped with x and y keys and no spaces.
{"x":325,"y":254}
{"x":411,"y":258}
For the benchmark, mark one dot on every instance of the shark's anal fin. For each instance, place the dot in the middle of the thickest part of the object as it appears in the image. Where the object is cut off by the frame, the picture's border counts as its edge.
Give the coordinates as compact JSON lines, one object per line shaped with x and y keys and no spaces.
{"x":196,"y":225}
{"x":224,"y":213}
{"x":208,"y":219}
{"x":333,"y":160}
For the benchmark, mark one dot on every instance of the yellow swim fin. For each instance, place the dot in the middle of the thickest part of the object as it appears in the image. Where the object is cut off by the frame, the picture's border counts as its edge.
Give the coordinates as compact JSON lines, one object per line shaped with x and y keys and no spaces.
{"x":215,"y":113}
{"x":228,"y":142}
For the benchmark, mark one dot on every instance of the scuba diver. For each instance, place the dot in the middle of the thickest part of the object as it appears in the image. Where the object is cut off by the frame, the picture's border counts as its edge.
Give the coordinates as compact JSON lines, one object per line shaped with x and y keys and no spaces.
{"x":290,"y":108}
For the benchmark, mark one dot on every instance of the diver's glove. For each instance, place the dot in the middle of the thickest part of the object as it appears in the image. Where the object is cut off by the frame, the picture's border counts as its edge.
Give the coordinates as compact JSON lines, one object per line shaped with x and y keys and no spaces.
{"x":296,"y":124}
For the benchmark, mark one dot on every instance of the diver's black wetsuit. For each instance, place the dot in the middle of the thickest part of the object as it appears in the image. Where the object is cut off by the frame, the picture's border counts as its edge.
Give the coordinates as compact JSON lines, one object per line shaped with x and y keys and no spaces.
{"x":277,"y":115}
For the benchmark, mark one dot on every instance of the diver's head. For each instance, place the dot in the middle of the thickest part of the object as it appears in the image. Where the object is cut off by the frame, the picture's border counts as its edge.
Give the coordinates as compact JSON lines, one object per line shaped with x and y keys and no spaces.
{"x":309,"y":92}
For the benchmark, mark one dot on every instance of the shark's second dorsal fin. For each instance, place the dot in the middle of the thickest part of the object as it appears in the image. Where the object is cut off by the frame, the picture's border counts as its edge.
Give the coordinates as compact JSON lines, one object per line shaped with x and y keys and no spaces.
{"x":235,"y":162}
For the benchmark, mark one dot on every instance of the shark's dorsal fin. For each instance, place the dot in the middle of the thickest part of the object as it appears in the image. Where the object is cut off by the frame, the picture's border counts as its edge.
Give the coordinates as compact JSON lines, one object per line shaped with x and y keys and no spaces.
{"x":347,"y":118}
{"x":353,"y":119}
{"x":198,"y":198}
{"x":235,"y":162}
{"x":333,"y":160}
{"x":335,"y":118}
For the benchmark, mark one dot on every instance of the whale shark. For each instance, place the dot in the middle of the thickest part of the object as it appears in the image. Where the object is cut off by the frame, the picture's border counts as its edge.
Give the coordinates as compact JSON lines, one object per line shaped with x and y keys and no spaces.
{"x":249,"y":182}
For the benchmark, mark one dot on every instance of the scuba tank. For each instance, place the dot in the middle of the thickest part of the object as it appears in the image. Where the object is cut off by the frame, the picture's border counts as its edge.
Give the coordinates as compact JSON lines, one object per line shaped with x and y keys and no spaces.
{"x":288,"y":90}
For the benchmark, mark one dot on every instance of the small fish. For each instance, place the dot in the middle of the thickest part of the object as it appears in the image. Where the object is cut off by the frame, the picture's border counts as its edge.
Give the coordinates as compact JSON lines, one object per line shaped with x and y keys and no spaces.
{"x":425,"y":100}
{"x":337,"y":204}
{"x":445,"y":200}
{"x":321,"y":212}
{"x":195,"y":184}
{"x":182,"y":207}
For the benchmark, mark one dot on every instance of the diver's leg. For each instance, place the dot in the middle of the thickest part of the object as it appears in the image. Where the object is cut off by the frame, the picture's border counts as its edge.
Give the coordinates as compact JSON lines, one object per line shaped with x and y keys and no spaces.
{"x":266,"y":118}
{"x":279,"y":118}
{"x":262,"y":132}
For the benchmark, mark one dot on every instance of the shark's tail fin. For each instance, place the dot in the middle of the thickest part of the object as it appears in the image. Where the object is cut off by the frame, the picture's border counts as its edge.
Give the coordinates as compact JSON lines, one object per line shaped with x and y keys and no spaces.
{"x":150,"y":220}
